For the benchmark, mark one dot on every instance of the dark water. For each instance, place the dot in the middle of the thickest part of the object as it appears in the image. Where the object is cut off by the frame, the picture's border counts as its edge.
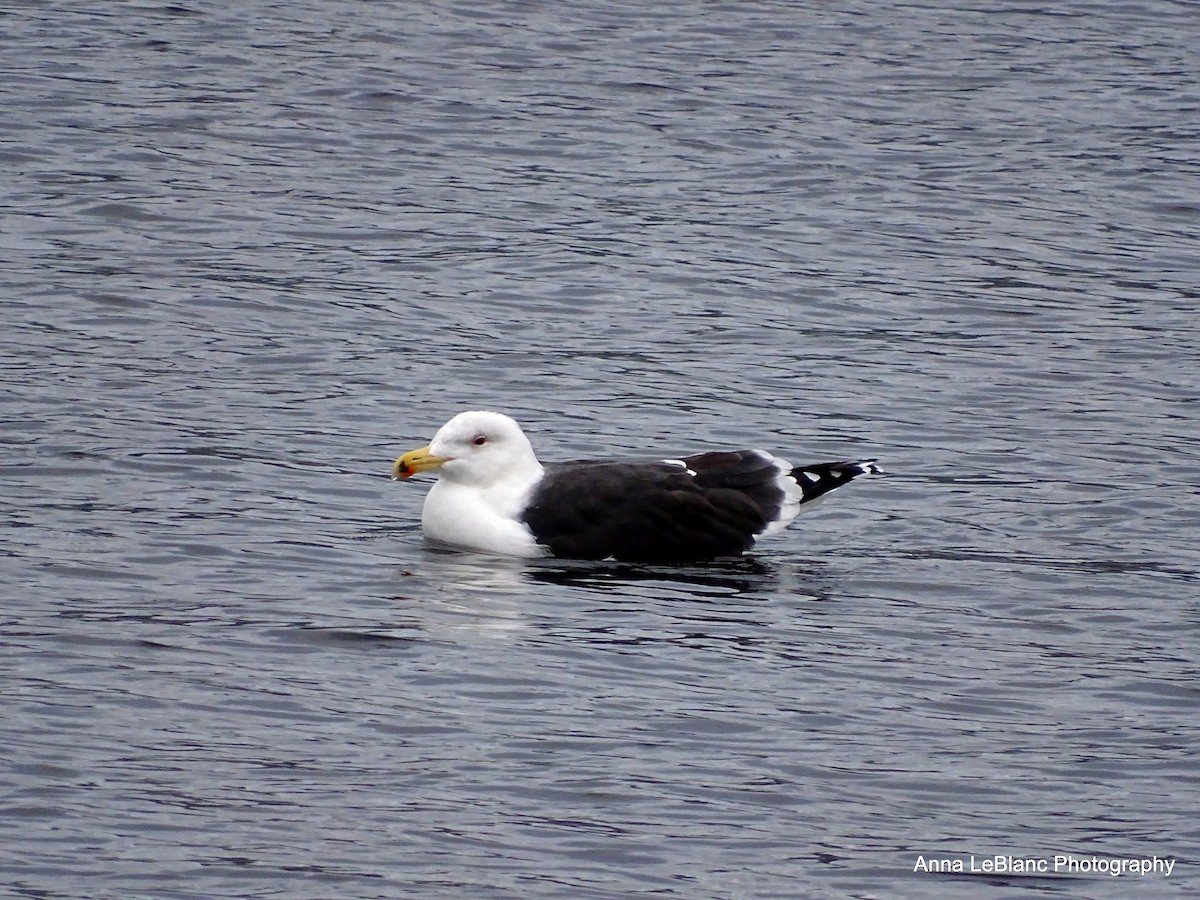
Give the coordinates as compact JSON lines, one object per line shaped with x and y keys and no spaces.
{"x":253,"y":251}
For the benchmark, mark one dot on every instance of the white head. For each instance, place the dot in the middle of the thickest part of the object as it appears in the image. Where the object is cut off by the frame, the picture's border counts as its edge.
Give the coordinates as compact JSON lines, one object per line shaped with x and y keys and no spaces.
{"x":478,"y":448}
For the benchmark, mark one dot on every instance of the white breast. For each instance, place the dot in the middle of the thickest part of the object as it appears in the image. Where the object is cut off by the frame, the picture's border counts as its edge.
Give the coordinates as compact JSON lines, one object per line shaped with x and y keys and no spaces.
{"x":460,"y":516}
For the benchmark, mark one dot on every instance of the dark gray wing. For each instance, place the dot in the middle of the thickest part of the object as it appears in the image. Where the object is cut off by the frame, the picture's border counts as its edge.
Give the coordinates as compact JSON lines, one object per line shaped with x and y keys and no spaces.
{"x":696,"y":508}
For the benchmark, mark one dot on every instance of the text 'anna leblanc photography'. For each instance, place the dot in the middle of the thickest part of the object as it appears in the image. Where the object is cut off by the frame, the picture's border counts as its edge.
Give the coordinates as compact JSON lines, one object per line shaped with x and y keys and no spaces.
{"x":1064,"y":864}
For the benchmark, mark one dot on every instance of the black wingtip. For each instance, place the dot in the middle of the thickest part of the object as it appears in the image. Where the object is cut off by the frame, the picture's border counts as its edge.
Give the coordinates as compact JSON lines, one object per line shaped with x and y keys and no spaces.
{"x":818,"y":479}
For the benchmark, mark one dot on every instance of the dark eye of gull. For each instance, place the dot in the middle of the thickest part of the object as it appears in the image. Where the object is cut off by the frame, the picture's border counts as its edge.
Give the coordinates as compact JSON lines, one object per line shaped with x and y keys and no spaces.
{"x":479,"y":441}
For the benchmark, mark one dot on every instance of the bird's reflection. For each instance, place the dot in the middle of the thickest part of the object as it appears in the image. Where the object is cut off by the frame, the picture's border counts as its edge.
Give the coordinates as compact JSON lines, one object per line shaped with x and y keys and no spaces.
{"x":735,"y":576}
{"x":455,"y":571}
{"x":454,"y":592}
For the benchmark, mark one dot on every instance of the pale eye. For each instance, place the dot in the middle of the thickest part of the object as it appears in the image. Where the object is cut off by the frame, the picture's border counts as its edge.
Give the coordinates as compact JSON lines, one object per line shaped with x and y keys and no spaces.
{"x":479,"y":441}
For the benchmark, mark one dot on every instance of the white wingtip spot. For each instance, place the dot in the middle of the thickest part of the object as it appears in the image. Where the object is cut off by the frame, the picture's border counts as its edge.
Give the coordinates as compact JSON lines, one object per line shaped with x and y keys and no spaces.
{"x":679,"y":463}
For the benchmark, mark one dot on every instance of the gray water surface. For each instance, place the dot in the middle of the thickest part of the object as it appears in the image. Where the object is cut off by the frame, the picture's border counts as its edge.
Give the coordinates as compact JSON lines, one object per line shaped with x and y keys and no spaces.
{"x":252,"y":252}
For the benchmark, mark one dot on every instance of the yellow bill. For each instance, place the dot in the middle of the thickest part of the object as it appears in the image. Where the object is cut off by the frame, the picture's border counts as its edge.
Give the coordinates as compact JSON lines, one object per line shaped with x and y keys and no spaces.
{"x":415,"y":461}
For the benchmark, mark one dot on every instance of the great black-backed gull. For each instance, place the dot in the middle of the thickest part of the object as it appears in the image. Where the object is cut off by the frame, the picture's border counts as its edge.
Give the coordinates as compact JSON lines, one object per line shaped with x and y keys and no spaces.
{"x":493,"y":495}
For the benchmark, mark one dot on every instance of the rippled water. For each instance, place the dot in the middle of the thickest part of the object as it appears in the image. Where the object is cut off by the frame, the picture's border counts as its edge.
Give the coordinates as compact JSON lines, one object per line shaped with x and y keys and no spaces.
{"x":253,"y":251}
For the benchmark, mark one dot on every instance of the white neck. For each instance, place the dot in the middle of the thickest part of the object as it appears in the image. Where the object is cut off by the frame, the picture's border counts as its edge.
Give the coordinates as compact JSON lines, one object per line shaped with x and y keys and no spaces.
{"x":461,"y":514}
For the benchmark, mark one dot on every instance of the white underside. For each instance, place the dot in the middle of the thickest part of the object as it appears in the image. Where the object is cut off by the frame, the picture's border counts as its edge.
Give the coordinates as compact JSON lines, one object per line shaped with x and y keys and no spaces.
{"x":457,"y":515}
